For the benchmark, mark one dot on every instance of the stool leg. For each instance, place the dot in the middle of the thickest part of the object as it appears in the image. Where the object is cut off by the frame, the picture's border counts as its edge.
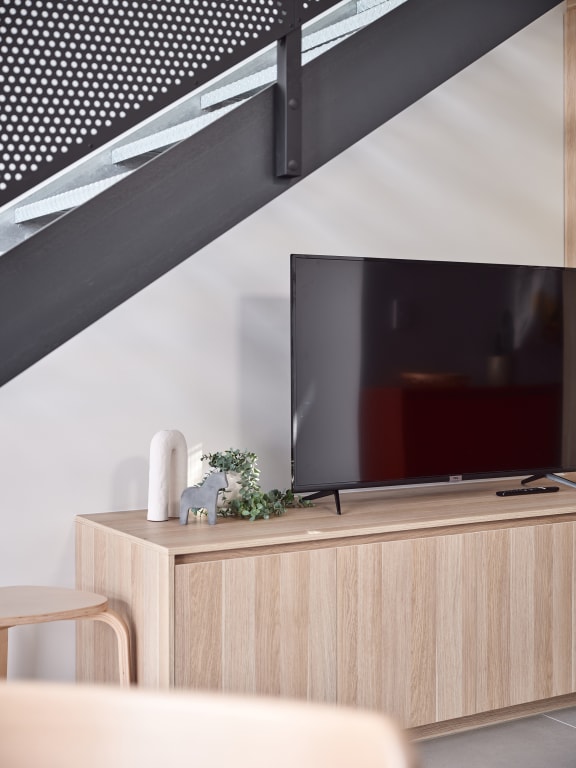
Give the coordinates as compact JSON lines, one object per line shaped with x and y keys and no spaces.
{"x":120,"y":627}
{"x":3,"y":653}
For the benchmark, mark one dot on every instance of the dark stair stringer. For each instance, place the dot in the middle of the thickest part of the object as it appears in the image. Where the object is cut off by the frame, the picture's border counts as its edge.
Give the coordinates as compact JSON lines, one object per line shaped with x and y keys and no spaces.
{"x":93,"y":258}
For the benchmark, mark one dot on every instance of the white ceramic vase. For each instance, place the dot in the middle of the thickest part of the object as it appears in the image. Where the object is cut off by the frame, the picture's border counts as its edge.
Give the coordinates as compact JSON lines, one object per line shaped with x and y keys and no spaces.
{"x":167,"y":474}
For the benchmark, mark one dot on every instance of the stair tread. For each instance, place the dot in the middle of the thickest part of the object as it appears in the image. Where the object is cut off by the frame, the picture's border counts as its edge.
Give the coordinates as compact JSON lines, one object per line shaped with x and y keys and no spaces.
{"x":168,"y":136}
{"x":64,"y":200}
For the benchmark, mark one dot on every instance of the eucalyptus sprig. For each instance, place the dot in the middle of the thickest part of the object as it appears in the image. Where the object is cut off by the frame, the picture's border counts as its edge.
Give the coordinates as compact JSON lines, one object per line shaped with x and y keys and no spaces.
{"x":252,"y":502}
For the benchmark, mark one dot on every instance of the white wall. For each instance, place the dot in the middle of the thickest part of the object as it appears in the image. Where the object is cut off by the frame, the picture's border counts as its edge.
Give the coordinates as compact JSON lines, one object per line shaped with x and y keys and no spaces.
{"x":474,"y":171}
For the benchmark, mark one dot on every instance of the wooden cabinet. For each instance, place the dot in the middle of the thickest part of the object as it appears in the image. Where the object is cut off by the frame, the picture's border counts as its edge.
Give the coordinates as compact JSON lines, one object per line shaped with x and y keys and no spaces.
{"x":435,"y":605}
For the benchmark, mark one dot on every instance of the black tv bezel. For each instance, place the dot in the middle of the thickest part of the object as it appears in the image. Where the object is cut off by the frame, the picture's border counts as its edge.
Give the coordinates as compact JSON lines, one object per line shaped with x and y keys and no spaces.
{"x":434,"y":480}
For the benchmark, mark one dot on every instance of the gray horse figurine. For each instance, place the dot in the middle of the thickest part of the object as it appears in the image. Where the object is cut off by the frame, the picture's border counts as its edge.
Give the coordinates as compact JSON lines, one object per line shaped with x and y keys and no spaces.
{"x":203,"y":496}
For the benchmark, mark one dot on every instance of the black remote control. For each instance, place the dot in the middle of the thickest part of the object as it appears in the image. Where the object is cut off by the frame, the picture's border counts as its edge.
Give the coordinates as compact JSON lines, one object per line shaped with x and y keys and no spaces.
{"x":532,"y":489}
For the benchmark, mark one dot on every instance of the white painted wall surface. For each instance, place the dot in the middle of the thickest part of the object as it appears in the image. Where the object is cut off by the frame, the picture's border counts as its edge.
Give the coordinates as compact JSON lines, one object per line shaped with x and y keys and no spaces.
{"x":474,"y":171}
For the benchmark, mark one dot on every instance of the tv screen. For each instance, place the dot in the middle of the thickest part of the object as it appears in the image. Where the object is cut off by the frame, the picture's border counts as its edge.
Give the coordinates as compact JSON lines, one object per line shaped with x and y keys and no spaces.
{"x":410,"y":371}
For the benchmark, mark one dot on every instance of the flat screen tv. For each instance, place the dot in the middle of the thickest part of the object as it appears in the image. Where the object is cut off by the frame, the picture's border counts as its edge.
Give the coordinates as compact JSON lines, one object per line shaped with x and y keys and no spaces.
{"x":412,"y":371}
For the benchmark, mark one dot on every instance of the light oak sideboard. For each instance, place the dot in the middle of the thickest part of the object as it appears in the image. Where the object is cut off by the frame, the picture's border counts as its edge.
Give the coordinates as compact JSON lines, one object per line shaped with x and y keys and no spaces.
{"x":445,"y":607}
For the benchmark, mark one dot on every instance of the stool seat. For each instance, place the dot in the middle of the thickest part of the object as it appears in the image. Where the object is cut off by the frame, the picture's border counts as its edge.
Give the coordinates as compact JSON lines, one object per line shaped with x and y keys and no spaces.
{"x":34,"y":605}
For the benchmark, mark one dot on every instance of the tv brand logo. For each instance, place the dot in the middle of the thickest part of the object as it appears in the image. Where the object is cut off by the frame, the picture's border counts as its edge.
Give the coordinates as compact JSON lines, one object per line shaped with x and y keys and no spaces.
{"x":455,"y":478}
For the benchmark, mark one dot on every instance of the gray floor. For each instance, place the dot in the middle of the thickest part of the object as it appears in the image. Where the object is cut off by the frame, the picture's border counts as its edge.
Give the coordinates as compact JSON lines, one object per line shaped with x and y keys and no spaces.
{"x":541,"y":741}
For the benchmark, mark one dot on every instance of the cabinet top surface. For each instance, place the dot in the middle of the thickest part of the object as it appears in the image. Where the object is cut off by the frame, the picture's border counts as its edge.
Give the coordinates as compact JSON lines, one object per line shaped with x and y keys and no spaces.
{"x":398,"y":511}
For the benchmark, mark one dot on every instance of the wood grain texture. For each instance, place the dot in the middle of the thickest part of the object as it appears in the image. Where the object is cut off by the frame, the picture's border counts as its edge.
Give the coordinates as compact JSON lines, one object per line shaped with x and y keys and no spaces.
{"x":137,"y":581}
{"x":522,"y":614}
{"x":258,"y":625}
{"x":347,"y":621}
{"x":366,"y":606}
{"x":570,"y":134}
{"x":450,"y":627}
{"x":270,"y":602}
{"x":123,"y":646}
{"x":22,"y":605}
{"x":423,"y":641}
{"x":323,"y":611}
{"x":485,"y":610}
{"x":442,"y":628}
{"x":386,"y":636}
{"x":499,"y":597}
{"x":198,"y":626}
{"x":391,"y":512}
{"x":563,"y":575}
{"x":33,"y":605}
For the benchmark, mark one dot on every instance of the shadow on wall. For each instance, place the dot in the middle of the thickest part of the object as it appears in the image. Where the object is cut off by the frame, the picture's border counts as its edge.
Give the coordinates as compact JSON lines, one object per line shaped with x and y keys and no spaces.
{"x":129,"y":486}
{"x":264,"y":386}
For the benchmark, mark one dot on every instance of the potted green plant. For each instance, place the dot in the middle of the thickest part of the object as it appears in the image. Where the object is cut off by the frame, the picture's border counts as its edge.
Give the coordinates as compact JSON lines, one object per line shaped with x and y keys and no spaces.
{"x":246,"y":498}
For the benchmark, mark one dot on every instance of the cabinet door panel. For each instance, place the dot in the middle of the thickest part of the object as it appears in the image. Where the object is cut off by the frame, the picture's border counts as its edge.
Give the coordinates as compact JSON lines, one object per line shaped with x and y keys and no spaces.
{"x":265,"y":625}
{"x":386,"y":619}
{"x":198,"y":625}
{"x":542,"y":631}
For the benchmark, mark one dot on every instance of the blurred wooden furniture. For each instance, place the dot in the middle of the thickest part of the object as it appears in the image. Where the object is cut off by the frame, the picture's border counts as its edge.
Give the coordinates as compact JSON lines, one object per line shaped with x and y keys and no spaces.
{"x":445,"y":607}
{"x":34,"y":605}
{"x":59,"y":726}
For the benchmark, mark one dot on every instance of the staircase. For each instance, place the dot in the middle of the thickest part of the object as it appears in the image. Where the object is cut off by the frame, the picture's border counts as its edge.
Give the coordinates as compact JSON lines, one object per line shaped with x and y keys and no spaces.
{"x":33,"y":210}
{"x":81,"y":243}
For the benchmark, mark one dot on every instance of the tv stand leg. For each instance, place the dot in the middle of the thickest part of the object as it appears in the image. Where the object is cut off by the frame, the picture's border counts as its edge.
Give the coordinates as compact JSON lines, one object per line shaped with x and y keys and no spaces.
{"x":337,"y":500}
{"x":562,"y":480}
{"x":550,"y":476}
{"x":532,"y":478}
{"x":322,"y":494}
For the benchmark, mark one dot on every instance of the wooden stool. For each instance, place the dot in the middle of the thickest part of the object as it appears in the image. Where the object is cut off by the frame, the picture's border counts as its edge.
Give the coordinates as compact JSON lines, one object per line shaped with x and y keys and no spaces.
{"x":33,"y":605}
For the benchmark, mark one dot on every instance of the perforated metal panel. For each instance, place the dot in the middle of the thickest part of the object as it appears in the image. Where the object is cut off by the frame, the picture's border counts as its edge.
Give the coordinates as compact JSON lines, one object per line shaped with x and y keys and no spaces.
{"x":75,"y":74}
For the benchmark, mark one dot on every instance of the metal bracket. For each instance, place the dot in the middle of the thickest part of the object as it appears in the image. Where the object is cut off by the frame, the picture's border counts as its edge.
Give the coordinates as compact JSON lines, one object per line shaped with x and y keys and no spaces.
{"x":288,"y":105}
